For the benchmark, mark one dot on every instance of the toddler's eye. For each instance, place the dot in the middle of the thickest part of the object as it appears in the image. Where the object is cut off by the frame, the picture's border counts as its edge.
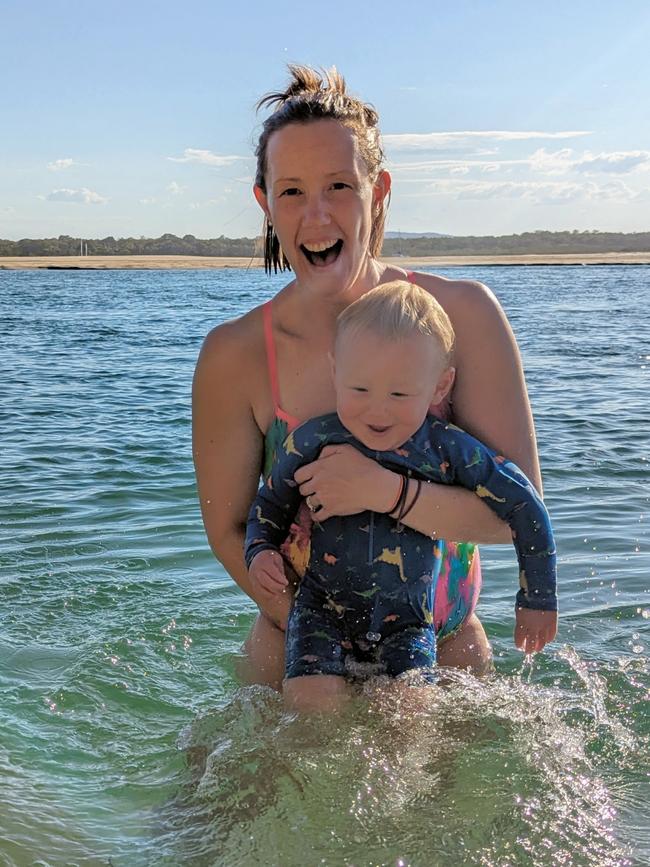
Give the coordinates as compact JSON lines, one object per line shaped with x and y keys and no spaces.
{"x":339,"y":185}
{"x":399,"y":394}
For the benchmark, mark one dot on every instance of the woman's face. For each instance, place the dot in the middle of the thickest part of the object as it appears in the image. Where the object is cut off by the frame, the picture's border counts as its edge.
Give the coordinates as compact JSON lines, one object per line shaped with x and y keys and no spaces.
{"x":320,"y":201}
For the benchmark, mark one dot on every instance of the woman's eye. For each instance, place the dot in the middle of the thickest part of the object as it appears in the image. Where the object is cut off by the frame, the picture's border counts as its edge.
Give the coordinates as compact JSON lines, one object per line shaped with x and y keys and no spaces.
{"x":399,"y":394}
{"x":290,"y":191}
{"x":359,"y":389}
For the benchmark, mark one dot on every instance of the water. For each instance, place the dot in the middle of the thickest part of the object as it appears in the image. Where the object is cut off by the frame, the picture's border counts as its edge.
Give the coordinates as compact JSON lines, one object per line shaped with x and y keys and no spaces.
{"x":125,"y":738}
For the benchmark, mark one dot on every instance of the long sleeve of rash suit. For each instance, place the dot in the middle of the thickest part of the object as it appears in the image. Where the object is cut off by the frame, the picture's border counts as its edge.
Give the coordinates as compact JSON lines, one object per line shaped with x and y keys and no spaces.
{"x":438,"y":452}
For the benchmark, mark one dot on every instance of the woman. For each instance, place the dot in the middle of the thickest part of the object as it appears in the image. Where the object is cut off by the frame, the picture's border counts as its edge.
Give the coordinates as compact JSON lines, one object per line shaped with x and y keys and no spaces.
{"x":321,"y":185}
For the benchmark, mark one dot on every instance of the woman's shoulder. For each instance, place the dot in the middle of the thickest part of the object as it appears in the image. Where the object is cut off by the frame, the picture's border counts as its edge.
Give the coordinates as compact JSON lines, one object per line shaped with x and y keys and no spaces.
{"x":230,"y":377}
{"x":456,"y":294}
{"x":231,"y":367}
{"x":235,"y":340}
{"x":477,"y":317}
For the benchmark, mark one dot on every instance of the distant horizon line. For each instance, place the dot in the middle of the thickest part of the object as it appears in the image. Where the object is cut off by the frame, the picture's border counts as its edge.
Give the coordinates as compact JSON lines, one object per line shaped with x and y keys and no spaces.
{"x":391,"y":234}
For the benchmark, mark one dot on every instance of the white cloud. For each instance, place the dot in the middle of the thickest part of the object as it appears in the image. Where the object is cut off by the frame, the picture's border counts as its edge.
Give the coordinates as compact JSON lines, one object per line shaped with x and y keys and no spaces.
{"x":205,"y":157}
{"x":151,"y":200}
{"x":440,"y":140}
{"x":613,"y":191}
{"x":530,"y":191}
{"x":450,"y":165}
{"x":567,"y":160}
{"x":616,"y":162}
{"x":541,"y":162}
{"x":175,"y":189}
{"x":552,"y":162}
{"x":534,"y":192}
{"x":83,"y":196}
{"x":59,"y":165}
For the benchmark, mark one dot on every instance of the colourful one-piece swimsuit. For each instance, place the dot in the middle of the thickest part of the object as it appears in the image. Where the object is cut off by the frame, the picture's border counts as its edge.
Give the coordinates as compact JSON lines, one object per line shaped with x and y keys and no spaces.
{"x":366,"y":592}
{"x":459,"y":582}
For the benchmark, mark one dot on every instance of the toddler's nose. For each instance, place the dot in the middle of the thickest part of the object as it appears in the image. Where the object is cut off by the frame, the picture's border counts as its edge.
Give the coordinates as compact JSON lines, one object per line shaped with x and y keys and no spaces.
{"x":378,"y":413}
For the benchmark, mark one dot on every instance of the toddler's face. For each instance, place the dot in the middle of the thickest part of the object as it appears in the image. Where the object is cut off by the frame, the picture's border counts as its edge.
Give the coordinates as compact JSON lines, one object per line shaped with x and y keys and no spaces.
{"x":384,"y":387}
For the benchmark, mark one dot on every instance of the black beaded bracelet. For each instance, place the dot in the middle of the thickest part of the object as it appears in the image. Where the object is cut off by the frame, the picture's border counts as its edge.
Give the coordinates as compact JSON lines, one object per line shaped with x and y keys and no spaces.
{"x":399,"y":505}
{"x":413,"y":501}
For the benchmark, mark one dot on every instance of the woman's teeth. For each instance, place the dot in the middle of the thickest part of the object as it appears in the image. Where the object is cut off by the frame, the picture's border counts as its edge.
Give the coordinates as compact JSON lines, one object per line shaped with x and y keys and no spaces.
{"x":321,"y":246}
{"x":323,"y":252}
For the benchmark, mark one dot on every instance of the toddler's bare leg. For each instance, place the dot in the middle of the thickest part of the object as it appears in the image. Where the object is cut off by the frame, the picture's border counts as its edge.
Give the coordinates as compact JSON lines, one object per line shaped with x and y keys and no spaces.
{"x":316,"y":693}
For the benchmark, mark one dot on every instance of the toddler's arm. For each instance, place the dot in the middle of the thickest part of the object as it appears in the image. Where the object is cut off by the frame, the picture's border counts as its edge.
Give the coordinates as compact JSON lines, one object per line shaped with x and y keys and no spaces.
{"x":267,"y":571}
{"x":509,"y":493}
{"x":277,"y":500}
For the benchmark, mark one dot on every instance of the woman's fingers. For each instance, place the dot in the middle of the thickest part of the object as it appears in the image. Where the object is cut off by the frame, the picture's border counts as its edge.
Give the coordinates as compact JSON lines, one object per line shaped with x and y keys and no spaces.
{"x":305,"y":473}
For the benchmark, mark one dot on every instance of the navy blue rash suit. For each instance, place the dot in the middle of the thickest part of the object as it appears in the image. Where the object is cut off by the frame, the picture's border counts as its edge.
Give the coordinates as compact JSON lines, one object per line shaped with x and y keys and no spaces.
{"x":367,"y":594}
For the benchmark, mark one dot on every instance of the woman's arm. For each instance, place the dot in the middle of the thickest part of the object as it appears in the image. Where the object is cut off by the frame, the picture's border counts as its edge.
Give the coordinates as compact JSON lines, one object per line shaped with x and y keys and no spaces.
{"x":489,"y":400}
{"x":343,"y":482}
{"x":227,"y":446}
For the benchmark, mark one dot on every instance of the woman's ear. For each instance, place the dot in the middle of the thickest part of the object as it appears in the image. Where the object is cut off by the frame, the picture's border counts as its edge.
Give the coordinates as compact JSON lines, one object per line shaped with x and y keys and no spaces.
{"x":444,"y":385}
{"x":381,"y":187}
{"x":262,"y":200}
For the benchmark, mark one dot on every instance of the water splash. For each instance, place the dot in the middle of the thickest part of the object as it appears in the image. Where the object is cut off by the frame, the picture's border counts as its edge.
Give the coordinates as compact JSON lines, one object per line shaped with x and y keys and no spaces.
{"x":487,"y":772}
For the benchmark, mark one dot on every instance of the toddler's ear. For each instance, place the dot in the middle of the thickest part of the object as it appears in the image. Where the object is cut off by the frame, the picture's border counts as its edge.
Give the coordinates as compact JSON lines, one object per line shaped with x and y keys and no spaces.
{"x":444,"y":385}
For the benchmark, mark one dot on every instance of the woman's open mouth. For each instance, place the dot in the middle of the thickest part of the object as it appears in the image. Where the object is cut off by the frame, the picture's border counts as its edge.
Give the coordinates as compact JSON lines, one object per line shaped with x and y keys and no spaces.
{"x":322,"y":254}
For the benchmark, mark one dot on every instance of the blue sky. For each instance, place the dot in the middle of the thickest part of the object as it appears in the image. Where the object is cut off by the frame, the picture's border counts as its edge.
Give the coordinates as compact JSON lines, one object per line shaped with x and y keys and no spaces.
{"x":138,"y":118}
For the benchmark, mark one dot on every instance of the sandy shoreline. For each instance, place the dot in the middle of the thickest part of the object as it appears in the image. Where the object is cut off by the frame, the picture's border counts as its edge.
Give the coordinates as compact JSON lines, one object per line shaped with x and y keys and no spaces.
{"x":195,"y":262}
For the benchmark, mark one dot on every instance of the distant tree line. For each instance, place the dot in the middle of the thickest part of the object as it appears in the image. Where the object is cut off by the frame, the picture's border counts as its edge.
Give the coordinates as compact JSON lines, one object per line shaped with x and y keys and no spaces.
{"x":527,"y":242}
{"x":466,"y":245}
{"x":166,"y":245}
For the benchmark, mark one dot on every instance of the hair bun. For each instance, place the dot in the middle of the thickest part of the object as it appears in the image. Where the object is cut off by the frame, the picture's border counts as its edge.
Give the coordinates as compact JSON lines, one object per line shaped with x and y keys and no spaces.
{"x":305,"y":81}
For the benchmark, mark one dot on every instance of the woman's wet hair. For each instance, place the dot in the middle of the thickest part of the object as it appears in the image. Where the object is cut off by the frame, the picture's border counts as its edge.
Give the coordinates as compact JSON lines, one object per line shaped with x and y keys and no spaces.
{"x":396,"y":311}
{"x":312,"y":95}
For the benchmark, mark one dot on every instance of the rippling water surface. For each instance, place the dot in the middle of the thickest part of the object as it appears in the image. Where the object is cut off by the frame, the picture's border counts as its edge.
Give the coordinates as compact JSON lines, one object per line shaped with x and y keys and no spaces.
{"x":125,"y":738}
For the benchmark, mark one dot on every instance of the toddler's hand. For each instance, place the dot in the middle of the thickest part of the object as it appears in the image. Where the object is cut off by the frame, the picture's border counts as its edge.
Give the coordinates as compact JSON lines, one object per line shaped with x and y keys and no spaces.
{"x":534,"y":629}
{"x":267,"y":570}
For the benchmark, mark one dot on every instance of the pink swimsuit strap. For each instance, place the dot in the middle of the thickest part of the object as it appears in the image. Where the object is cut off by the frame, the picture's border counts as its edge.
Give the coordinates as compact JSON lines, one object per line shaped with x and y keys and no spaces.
{"x":272,"y":365}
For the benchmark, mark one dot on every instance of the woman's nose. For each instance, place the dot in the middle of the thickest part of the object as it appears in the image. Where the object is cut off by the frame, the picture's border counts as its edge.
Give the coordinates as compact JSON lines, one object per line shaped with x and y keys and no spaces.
{"x":317,"y":212}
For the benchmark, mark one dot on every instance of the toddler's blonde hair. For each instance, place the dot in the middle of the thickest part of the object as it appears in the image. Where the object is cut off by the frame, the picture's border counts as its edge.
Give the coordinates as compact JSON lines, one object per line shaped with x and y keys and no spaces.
{"x":397,"y":310}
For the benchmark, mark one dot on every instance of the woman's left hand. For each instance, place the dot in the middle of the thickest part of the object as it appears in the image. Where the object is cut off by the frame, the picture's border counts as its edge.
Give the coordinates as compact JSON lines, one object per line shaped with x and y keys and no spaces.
{"x":344,"y":482}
